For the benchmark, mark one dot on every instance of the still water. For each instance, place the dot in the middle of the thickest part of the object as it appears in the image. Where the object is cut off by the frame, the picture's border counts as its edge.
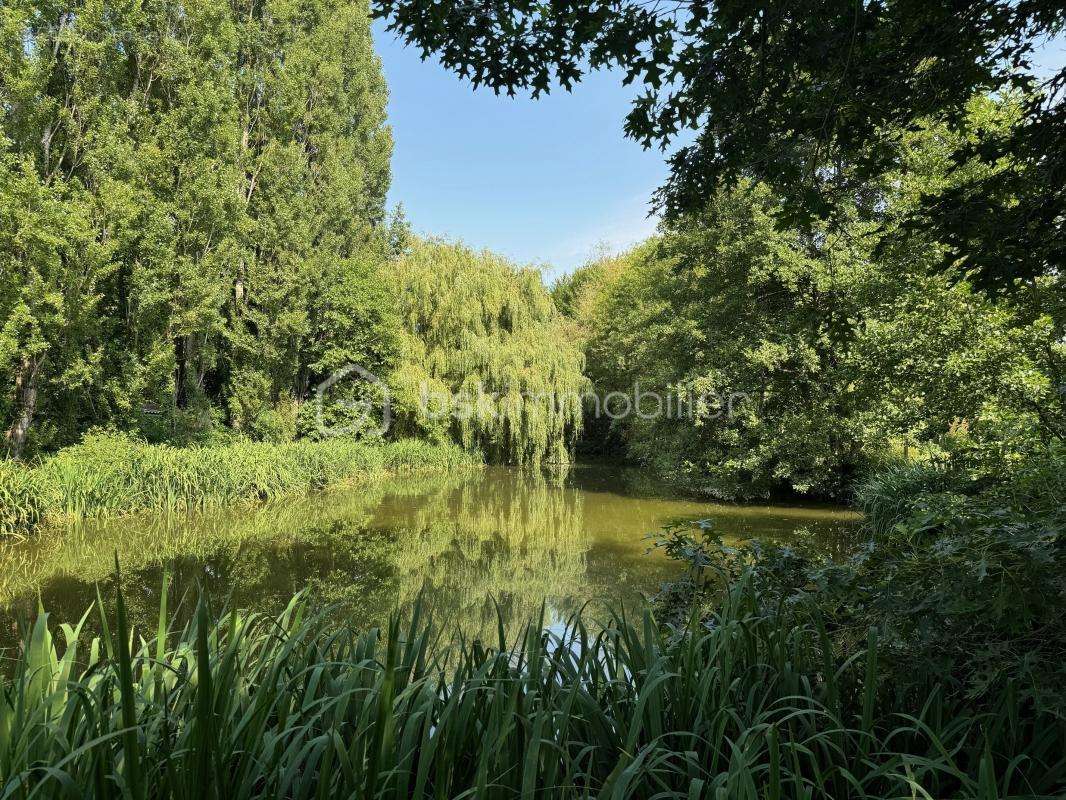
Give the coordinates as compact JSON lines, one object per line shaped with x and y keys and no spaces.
{"x":466,"y":542}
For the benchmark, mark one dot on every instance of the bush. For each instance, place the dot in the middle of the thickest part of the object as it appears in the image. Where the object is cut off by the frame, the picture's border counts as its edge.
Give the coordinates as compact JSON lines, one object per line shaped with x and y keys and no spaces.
{"x":963,"y":576}
{"x":892,"y":493}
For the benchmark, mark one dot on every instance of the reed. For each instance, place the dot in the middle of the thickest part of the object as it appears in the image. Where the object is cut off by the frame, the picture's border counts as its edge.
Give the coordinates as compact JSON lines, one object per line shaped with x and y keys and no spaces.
{"x":116,"y":474}
{"x":243,"y":706}
{"x":891,"y":494}
{"x":20,"y":507}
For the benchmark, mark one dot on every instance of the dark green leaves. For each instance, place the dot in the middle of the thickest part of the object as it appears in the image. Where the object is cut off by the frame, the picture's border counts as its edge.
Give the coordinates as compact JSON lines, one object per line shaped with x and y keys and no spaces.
{"x":808,"y":97}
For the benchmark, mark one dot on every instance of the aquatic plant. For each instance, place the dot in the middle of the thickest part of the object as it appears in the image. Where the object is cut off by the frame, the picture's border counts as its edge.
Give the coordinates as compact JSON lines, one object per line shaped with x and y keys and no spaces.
{"x":108,"y":474}
{"x":293,"y":707}
{"x":20,"y":507}
{"x":887,"y":496}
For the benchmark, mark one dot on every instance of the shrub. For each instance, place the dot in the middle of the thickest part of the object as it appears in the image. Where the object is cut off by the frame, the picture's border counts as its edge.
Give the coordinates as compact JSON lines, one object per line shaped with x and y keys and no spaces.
{"x":893,"y":492}
{"x":964,"y":577}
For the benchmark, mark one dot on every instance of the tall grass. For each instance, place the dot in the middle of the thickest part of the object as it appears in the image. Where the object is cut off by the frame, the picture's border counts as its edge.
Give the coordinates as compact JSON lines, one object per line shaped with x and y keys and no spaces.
{"x":20,"y":506}
{"x":116,"y":474}
{"x":1031,"y":485}
{"x":289,"y":707}
{"x":889,"y":495}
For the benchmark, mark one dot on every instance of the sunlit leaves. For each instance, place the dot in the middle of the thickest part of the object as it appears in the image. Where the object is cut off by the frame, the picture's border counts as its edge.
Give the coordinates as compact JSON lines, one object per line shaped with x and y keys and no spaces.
{"x":192,"y":202}
{"x":486,"y":358}
{"x":790,"y":92}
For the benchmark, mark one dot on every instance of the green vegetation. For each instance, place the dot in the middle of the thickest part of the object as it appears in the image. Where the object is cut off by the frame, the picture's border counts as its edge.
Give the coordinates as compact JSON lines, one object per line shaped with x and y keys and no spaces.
{"x":813,"y":99}
{"x":857,"y":293}
{"x":805,"y":358}
{"x":193,"y":239}
{"x":116,"y":474}
{"x":292,"y":707}
{"x":191,"y":215}
{"x":20,"y":504}
{"x":963,"y":579}
{"x":971,"y":561}
{"x":487,"y":359}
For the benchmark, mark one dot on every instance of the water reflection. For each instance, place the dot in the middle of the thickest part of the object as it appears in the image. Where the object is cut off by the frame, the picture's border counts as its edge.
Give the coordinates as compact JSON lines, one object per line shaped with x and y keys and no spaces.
{"x":464,"y":541}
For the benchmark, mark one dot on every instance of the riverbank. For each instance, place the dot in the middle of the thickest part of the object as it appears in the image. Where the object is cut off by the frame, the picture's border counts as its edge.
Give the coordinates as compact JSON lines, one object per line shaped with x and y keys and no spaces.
{"x":112,"y":474}
{"x":960,"y":578}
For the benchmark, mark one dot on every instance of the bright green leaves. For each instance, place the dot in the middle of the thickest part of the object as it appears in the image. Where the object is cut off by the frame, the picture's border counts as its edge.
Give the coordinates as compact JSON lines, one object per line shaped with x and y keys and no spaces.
{"x":486,"y":357}
{"x":843,"y":342}
{"x":190,"y":201}
{"x":806,"y":96}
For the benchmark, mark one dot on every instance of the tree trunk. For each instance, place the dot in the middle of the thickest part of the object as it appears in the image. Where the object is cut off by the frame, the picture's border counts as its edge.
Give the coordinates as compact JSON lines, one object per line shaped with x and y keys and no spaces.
{"x":181,"y":394}
{"x":26,"y":405}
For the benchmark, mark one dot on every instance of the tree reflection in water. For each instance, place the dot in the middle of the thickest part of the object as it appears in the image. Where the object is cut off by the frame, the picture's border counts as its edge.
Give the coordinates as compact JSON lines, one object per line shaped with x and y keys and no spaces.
{"x":468,"y":541}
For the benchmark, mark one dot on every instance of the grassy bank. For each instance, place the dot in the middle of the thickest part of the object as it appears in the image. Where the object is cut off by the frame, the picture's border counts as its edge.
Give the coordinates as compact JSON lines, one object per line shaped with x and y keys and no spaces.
{"x":292,"y":708}
{"x":116,"y":474}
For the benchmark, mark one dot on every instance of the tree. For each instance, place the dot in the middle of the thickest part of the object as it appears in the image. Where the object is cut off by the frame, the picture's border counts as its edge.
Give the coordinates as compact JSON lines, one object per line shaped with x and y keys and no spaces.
{"x":485,"y":357}
{"x":810,"y":98}
{"x":60,"y":228}
{"x":801,"y":355}
{"x":192,"y":229}
{"x":309,"y":294}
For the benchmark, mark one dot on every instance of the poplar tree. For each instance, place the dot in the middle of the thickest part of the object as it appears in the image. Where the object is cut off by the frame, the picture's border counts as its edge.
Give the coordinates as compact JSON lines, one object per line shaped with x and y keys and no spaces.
{"x":192,"y":198}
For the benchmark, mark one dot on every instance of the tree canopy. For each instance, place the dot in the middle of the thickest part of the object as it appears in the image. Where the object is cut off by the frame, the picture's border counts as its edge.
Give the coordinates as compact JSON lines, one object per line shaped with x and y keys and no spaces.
{"x":191,"y":199}
{"x":810,"y":98}
{"x":803,"y":357}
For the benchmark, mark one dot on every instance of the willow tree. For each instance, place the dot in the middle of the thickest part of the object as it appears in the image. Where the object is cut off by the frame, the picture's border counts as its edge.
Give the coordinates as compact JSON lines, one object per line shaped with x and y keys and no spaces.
{"x":486,"y":358}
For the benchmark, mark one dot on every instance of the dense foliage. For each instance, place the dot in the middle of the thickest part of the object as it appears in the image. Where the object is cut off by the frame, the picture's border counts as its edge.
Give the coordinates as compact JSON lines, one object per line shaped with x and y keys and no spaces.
{"x":193,"y":238}
{"x":112,"y":474}
{"x":191,"y":199}
{"x":962,"y":578}
{"x":292,"y":707}
{"x":812,"y":98}
{"x":486,"y":358}
{"x":801,"y":357}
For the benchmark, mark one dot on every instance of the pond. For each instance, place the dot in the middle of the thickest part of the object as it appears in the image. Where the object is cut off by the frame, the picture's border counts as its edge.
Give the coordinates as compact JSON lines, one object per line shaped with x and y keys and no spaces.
{"x":467,"y":543}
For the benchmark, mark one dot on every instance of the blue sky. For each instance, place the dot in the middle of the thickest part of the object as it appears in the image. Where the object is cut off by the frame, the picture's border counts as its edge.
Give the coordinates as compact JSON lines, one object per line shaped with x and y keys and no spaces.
{"x":548,"y":182}
{"x":545,"y":181}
